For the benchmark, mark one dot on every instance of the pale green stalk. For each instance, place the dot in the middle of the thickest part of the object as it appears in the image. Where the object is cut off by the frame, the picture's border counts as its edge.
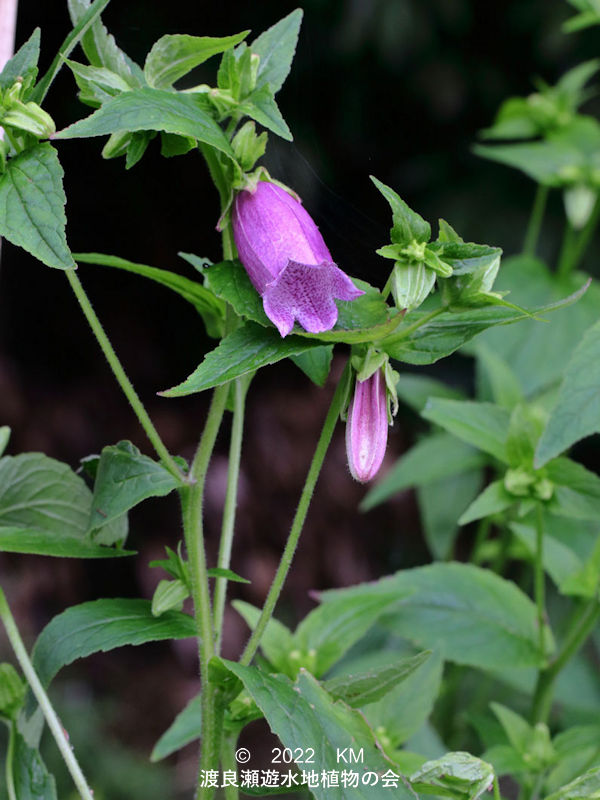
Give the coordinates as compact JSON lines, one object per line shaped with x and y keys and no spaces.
{"x":539,"y":579}
{"x":299,"y":518}
{"x":10,"y":779}
{"x":535,"y":220}
{"x":44,"y":701}
{"x":121,"y":376}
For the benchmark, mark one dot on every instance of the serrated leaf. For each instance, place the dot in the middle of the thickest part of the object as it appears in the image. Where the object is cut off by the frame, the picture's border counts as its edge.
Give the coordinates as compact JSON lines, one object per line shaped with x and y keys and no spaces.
{"x":584,"y":787}
{"x":408,"y":226}
{"x":174,"y":55}
{"x":358,"y":690}
{"x":156,"y":110}
{"x":230,"y":575}
{"x":185,"y":728}
{"x":247,"y":349}
{"x":102,"y":625}
{"x":454,"y":773}
{"x":434,"y":458}
{"x":210,"y":308}
{"x":470,"y":614}
{"x":315,"y":363}
{"x":493,"y":500}
{"x":32,"y":781}
{"x":276,"y":48}
{"x":261,"y":107}
{"x":44,"y":509}
{"x":126,"y":477}
{"x":577,"y":491}
{"x":482,"y":425}
{"x":97,"y":85}
{"x":577,"y":410}
{"x":304,"y":712}
{"x":23,"y":64}
{"x":100,"y":46}
{"x":32,"y":203}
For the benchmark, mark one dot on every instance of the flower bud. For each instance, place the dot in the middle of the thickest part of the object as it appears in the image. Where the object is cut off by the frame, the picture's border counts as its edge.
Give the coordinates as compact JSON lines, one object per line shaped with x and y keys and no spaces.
{"x":367,"y":427}
{"x":287,"y":260}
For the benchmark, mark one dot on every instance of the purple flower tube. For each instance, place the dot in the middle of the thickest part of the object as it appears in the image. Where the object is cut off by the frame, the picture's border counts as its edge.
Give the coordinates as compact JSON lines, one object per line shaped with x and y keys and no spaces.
{"x":367,"y":427}
{"x":287,"y":260}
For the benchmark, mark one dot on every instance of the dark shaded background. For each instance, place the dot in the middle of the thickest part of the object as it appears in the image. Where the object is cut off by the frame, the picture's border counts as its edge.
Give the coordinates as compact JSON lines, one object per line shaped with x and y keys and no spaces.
{"x":396,"y":88}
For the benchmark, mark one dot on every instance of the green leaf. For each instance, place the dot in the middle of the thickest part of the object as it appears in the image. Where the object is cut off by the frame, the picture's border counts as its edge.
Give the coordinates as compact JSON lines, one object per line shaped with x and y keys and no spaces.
{"x":481,"y":425}
{"x":495,"y":378}
{"x":525,"y":429}
{"x":432,"y":459}
{"x":277,"y":641}
{"x":332,"y":628}
{"x":577,"y":410}
{"x":12,"y":691}
{"x":45,"y":508}
{"x":531,"y":284}
{"x":185,"y":728}
{"x":230,"y":575}
{"x":23,"y":65}
{"x":402,"y":712}
{"x":315,"y":363}
{"x":304,"y":712}
{"x":441,"y":504}
{"x":577,"y":492}
{"x":415,"y":390}
{"x":367,"y":687}
{"x":102,"y":625}
{"x":276,"y":48}
{"x":169,"y":595}
{"x":156,"y":110}
{"x":4,"y":437}
{"x":470,"y":614}
{"x":40,"y":543}
{"x":454,"y":773}
{"x":408,"y":226}
{"x":210,"y":308}
{"x":247,"y":349}
{"x":493,"y":500}
{"x":518,"y":731}
{"x":261,"y":106}
{"x":32,"y":781}
{"x":174,"y":55}
{"x":100,"y":46}
{"x":32,"y":203}
{"x":585,"y":786}
{"x":97,"y":85}
{"x":124,"y":478}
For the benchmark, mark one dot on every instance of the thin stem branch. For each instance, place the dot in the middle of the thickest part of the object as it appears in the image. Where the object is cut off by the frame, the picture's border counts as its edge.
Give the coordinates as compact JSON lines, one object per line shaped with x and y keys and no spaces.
{"x":10,"y":754}
{"x":566,"y":260}
{"x":406,"y":332}
{"x":192,"y":498}
{"x":240,"y":388}
{"x":299,"y":518}
{"x":44,"y":701}
{"x":586,"y":234}
{"x":121,"y":376}
{"x":535,"y":220}
{"x":539,"y":579}
{"x":581,"y":624}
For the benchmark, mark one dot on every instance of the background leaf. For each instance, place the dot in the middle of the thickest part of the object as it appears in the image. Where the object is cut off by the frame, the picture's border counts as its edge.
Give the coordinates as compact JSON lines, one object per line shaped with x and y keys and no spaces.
{"x":276,"y":48}
{"x":482,"y":425}
{"x":186,"y":728}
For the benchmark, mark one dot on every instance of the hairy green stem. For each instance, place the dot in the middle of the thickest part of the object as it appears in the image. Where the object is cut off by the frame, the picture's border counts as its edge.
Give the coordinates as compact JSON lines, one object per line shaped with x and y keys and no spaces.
{"x":121,"y":376}
{"x":229,"y":764}
{"x":240,"y":388}
{"x":299,"y":518}
{"x":539,"y":578}
{"x":535,"y":221}
{"x":579,"y":627}
{"x":38,"y":690}
{"x":192,"y":498}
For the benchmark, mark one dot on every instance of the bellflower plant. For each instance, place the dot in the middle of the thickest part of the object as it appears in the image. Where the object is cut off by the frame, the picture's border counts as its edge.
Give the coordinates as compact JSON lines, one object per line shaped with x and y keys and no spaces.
{"x":287,"y":260}
{"x":351,"y":702}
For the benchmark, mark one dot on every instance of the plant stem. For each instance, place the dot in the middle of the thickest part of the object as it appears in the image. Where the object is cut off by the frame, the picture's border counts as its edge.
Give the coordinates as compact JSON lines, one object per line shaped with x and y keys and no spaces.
{"x":121,"y":376}
{"x":539,"y":578}
{"x":240,"y":388}
{"x":405,"y":332}
{"x":44,"y":701}
{"x":230,"y":764}
{"x":299,"y":518}
{"x":566,"y":260}
{"x":10,"y":752}
{"x":535,"y":220}
{"x":192,"y":498}
{"x":586,"y":234}
{"x":579,"y":627}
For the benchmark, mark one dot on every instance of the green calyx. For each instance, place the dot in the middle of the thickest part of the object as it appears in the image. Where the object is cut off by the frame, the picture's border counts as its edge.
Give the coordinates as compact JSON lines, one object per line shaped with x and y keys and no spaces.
{"x":522,"y":482}
{"x":365,"y":362}
{"x":28,"y":117}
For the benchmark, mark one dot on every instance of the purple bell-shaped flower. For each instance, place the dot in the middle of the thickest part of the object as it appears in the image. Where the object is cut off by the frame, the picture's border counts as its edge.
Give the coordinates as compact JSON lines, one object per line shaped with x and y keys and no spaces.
{"x":367,"y":427}
{"x":287,"y":260}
